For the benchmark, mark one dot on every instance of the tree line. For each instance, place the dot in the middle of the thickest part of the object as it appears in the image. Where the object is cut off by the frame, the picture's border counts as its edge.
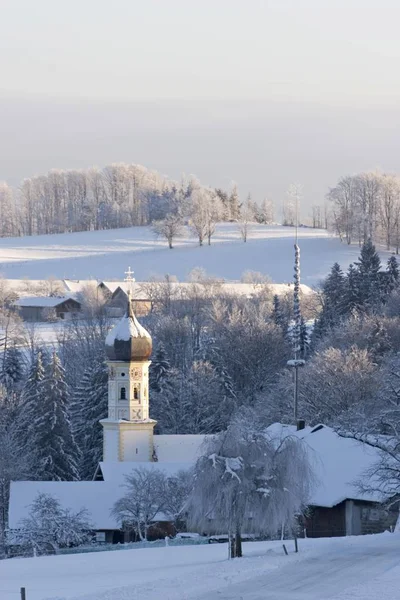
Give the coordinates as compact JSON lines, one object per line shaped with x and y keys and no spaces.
{"x":367,"y":206}
{"x":119,"y":195}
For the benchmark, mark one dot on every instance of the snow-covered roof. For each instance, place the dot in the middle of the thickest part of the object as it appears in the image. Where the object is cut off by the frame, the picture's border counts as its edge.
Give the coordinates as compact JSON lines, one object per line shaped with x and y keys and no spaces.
{"x":43,"y":301}
{"x":178,"y":448}
{"x":77,"y":285}
{"x":338,"y":463}
{"x":98,"y":497}
{"x":117,"y":471}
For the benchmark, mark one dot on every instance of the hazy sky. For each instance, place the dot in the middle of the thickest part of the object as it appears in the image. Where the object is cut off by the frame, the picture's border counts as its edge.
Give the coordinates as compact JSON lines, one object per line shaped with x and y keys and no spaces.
{"x":262,"y":92}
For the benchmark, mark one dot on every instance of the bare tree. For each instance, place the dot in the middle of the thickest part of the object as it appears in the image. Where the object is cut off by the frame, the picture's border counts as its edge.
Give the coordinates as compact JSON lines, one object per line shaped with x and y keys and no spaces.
{"x":246,"y":217}
{"x":169,"y":228}
{"x":144,"y":498}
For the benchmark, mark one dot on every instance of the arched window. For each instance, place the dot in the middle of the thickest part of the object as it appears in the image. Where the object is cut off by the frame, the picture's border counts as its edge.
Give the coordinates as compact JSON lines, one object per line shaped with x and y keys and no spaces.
{"x":123,"y":394}
{"x":136,"y":393}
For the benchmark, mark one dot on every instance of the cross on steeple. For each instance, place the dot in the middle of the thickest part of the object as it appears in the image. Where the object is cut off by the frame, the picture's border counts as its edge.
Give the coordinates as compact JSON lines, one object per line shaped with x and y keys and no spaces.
{"x":129,"y":280}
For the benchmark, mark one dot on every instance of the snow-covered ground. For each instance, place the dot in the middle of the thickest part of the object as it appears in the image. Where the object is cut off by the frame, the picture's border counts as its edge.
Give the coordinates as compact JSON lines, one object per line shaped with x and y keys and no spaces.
{"x":364,"y":568}
{"x":107,"y":254}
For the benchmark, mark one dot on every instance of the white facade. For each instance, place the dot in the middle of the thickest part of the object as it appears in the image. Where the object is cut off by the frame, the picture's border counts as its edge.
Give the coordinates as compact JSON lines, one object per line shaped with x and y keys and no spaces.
{"x":128,"y":430}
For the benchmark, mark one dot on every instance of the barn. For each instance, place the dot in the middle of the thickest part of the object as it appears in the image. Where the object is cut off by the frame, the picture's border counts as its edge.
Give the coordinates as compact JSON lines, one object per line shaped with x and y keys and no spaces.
{"x":37,"y":308}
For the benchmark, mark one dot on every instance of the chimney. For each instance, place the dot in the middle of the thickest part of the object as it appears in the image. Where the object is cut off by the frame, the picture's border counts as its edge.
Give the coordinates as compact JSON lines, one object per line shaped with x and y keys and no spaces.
{"x":300,"y":424}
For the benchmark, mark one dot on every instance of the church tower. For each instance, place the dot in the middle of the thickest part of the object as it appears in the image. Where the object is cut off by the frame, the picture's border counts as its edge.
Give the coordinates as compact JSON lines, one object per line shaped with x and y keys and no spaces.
{"x":128,"y":430}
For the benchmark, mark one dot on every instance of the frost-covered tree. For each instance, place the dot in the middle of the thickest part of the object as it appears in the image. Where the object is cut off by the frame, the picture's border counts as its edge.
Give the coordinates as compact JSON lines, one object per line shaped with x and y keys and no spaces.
{"x":245,"y":218}
{"x":15,"y":464}
{"x":369,"y":280}
{"x":31,"y":398}
{"x":88,"y":407}
{"x":55,"y":450}
{"x":144,"y":498}
{"x":234,"y":203}
{"x":169,"y":228}
{"x":177,"y":490}
{"x":392,"y":274}
{"x":160,"y":369}
{"x":12,"y":371}
{"x":333,"y":296}
{"x":247,"y":481}
{"x":49,"y":526}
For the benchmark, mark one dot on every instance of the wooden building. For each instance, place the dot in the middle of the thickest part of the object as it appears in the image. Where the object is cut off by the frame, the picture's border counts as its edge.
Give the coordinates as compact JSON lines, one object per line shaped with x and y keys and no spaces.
{"x":36,"y":308}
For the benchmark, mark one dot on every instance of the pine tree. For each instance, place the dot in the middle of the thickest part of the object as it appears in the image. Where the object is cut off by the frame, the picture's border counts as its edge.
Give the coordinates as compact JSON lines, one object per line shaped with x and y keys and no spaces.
{"x":89,"y":406}
{"x":56,"y":453}
{"x":369,"y":279}
{"x":333,"y":293}
{"x":392,"y":274}
{"x":159,"y":370}
{"x":30,"y":401}
{"x":352,"y":299}
{"x":277,"y":315}
{"x":234,"y":206}
{"x":12,"y":372}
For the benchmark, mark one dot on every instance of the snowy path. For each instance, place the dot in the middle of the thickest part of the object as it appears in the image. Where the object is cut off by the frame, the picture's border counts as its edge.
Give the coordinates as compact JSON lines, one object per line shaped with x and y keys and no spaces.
{"x":320,"y":577}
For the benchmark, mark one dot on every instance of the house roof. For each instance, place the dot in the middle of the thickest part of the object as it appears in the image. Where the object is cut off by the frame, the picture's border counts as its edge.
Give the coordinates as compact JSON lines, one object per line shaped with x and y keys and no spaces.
{"x":43,"y":301}
{"x":338,"y":463}
{"x":98,"y":497}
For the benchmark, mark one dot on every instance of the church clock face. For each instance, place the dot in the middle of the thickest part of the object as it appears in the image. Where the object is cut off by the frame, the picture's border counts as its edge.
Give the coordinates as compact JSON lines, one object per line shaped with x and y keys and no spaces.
{"x":136,"y":373}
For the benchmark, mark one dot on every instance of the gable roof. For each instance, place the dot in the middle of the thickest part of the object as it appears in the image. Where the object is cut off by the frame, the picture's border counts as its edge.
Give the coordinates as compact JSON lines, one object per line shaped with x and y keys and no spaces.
{"x":44,"y":301}
{"x":338,"y":463}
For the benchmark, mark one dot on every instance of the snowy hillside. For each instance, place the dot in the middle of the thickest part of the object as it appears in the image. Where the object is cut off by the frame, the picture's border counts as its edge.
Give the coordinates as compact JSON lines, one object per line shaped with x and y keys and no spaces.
{"x":106,"y":254}
{"x":365,"y":567}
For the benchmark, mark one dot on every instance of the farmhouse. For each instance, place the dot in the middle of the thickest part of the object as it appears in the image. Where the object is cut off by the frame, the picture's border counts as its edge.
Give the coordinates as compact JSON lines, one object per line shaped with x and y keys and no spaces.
{"x":36,"y":308}
{"x":336,"y":505}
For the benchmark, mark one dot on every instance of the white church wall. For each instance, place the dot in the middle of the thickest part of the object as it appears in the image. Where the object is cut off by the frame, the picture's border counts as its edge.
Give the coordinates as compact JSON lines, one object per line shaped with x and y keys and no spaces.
{"x":136,"y":445}
{"x":111,"y":444}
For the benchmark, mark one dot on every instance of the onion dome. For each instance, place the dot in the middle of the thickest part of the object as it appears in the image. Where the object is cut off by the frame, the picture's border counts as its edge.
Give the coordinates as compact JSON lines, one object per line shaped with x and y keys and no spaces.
{"x":128,"y":340}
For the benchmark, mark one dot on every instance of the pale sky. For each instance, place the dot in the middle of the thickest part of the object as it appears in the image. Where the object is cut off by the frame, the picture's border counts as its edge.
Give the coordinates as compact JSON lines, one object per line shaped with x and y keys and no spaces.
{"x":263,"y":92}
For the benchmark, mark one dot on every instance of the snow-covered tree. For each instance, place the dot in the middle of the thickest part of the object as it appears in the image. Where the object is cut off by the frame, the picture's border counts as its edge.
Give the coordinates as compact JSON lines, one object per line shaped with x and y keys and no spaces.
{"x":160,"y":369}
{"x":88,"y":407}
{"x":169,"y":228}
{"x":177,"y":490}
{"x":56,"y":453}
{"x":15,"y":464}
{"x":144,"y":498}
{"x":246,"y":481}
{"x":245,"y":218}
{"x":369,"y":280}
{"x":31,"y":399}
{"x":49,"y":526}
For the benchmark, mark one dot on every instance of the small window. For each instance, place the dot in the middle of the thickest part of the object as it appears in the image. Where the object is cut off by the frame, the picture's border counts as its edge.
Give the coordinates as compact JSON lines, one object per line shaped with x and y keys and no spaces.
{"x":123,"y":393}
{"x":136,"y":393}
{"x":122,"y":374}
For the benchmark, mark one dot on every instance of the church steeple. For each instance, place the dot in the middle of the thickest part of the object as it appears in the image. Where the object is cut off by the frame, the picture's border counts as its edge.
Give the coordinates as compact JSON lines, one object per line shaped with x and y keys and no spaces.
{"x":128,"y":430}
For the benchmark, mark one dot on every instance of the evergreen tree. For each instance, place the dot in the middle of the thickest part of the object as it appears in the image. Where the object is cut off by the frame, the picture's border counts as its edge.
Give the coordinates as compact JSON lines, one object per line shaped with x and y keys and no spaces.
{"x":12,"y":372}
{"x":277,"y":315}
{"x":56,"y":453}
{"x":160,"y":369}
{"x":392,"y":274}
{"x":369,"y":280}
{"x":89,"y":406}
{"x":30,"y":401}
{"x":234,"y":205}
{"x":352,"y":300}
{"x":333,"y":294}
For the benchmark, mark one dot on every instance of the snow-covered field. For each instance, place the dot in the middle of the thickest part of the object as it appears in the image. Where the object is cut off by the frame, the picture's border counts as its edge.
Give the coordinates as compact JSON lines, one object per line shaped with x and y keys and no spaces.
{"x":106,"y":254}
{"x":363,"y":568}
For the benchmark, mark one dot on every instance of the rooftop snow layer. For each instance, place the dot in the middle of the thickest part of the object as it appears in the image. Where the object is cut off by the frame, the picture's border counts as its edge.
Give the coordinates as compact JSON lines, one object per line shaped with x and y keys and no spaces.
{"x":42,"y":301}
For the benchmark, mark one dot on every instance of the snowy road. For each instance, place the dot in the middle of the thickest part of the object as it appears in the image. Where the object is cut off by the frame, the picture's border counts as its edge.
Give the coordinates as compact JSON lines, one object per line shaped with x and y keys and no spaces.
{"x":320,"y":577}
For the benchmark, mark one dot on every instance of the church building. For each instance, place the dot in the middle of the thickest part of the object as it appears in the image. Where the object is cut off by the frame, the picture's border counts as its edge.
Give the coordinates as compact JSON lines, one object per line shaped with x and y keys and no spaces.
{"x":129,"y":442}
